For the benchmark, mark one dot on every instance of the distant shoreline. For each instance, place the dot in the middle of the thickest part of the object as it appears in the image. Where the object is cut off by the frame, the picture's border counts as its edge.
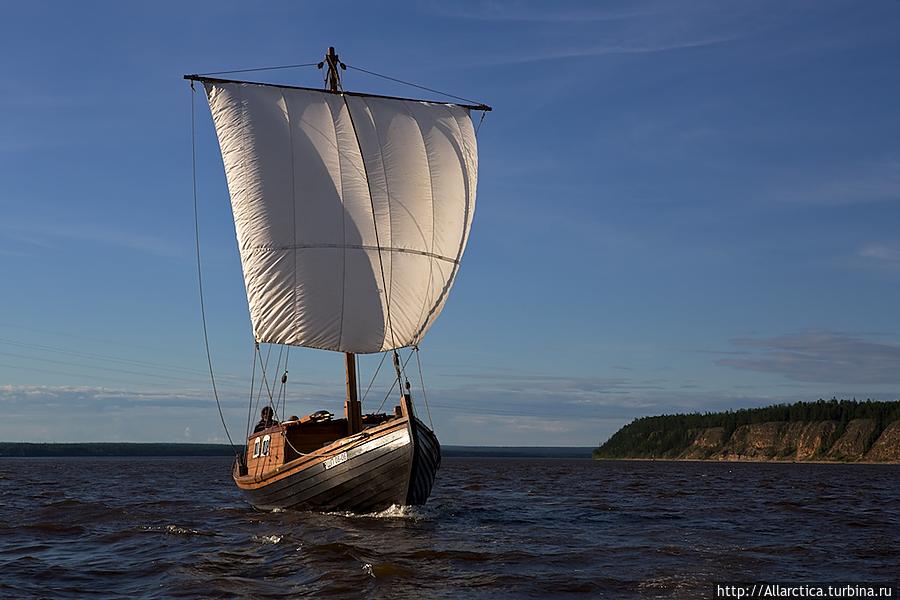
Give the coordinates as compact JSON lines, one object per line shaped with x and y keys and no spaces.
{"x":161,"y":449}
{"x":824,"y":431}
{"x":753,"y":461}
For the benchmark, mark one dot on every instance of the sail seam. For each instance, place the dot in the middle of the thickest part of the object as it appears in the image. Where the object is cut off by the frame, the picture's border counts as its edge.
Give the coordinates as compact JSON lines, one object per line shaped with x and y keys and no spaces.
{"x":356,"y":247}
{"x":429,"y":297}
{"x":374,"y":218}
{"x":462,"y":241}
{"x":462,"y":138}
{"x":468,"y":177}
{"x":287,"y":113}
{"x":387,"y":189}
{"x":337,"y":148}
{"x":253,"y":308}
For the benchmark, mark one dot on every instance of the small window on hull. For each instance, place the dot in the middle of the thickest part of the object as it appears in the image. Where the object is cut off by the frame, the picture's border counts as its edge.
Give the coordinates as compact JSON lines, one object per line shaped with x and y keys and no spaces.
{"x":256,"y":448}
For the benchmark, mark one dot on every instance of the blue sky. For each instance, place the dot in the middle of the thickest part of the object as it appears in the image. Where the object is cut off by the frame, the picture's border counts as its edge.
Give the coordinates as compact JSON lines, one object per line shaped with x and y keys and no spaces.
{"x":682,"y":206}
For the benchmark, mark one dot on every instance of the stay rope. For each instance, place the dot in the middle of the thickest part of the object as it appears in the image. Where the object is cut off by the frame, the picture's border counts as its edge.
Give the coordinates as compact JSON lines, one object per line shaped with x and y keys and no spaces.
{"x":422,"y":381}
{"x":284,"y":380}
{"x":259,"y":69}
{"x":395,"y":382}
{"x":480,"y":121}
{"x":358,"y":379}
{"x":273,"y":399}
{"x":261,"y":380}
{"x":212,"y":375}
{"x":369,"y":387}
{"x":415,"y":85}
{"x":252,"y":387}
{"x":265,"y":378}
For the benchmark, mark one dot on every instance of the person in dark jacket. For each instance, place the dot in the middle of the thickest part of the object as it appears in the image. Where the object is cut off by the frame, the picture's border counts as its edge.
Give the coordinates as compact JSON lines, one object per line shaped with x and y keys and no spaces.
{"x":267,"y":419}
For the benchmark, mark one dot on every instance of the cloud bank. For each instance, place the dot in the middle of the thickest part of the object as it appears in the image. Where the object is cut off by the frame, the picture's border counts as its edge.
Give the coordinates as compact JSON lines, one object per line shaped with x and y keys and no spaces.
{"x":820,"y":357}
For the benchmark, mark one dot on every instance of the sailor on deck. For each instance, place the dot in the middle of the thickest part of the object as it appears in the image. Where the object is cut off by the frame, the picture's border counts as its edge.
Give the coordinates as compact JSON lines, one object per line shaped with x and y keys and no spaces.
{"x":267,"y":419}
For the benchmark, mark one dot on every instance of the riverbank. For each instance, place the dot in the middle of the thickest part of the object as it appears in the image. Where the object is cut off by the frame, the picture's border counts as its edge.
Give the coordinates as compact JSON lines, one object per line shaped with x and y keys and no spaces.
{"x":824,"y":431}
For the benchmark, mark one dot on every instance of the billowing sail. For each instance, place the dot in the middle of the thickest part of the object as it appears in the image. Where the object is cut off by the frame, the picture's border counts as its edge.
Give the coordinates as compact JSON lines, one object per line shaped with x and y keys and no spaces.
{"x":352,"y":212}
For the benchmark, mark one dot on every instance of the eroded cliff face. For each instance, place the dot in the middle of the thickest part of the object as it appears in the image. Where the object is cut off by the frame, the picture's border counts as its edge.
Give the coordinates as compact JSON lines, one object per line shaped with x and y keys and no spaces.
{"x":799,"y":441}
{"x":708,"y":442}
{"x":855,"y":441}
{"x":887,"y":447}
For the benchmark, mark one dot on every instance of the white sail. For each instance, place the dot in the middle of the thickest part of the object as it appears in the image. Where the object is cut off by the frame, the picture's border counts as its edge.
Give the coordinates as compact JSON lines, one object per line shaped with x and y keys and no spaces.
{"x":351,"y":212}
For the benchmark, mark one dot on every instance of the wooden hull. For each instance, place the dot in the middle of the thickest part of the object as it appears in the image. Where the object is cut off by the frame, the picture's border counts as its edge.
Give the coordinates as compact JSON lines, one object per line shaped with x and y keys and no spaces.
{"x":392,"y":463}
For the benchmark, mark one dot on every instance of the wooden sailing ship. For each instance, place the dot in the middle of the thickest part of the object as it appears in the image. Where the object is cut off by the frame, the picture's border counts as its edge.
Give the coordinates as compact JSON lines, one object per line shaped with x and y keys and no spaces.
{"x":352,"y":212}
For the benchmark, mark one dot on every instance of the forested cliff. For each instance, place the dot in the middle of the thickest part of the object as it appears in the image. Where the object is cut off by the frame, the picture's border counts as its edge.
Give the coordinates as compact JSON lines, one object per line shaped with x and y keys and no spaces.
{"x":833,"y":430}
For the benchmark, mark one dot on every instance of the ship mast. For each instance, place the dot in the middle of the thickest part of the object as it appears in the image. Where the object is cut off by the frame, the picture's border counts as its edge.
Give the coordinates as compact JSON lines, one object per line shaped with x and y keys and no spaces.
{"x":352,"y":407}
{"x":333,"y":75}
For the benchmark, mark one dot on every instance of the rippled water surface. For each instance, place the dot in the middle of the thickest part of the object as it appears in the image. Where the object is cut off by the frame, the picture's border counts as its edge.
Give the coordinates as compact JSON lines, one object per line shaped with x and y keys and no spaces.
{"x":494,"y":528}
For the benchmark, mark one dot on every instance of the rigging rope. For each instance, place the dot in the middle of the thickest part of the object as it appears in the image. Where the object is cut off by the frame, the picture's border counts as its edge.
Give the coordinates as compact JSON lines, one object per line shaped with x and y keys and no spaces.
{"x":415,"y":85}
{"x":480,"y":121}
{"x":358,"y":381}
{"x":252,"y":387}
{"x":422,"y":380}
{"x":284,"y":379}
{"x":386,"y":396}
{"x":212,"y":375}
{"x":261,"y":379}
{"x":383,"y":356}
{"x":362,"y":70}
{"x":273,"y":399}
{"x":265,"y":378}
{"x":259,"y":69}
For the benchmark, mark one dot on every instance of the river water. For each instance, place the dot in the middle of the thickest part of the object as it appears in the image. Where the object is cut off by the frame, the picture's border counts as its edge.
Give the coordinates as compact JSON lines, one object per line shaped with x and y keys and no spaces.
{"x":494,"y":528}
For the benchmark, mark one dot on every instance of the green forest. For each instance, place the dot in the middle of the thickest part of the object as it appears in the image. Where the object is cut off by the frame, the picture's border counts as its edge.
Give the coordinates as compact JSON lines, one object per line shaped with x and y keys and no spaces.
{"x":667,"y":436}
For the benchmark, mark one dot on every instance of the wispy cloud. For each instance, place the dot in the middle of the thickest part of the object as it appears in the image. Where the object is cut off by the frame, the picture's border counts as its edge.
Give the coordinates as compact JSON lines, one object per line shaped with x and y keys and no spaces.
{"x":540,"y":13}
{"x":593,"y":51}
{"x":507,"y":409}
{"x":821,"y":357}
{"x":48,"y":235}
{"x":86,"y":413}
{"x":560,"y":417}
{"x":14,"y":146}
{"x":473,"y":429}
{"x":553,"y":389}
{"x":870,"y":182}
{"x":76,"y":398}
{"x":13,"y":253}
{"x":569,"y":398}
{"x":309,"y":396}
{"x":881,"y":252}
{"x":40,"y":97}
{"x":555,"y":31}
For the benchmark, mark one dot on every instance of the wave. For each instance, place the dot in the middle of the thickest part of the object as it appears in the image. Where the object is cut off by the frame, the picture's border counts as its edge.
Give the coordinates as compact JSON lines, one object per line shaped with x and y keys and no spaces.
{"x":175,"y":530}
{"x":395,"y":511}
